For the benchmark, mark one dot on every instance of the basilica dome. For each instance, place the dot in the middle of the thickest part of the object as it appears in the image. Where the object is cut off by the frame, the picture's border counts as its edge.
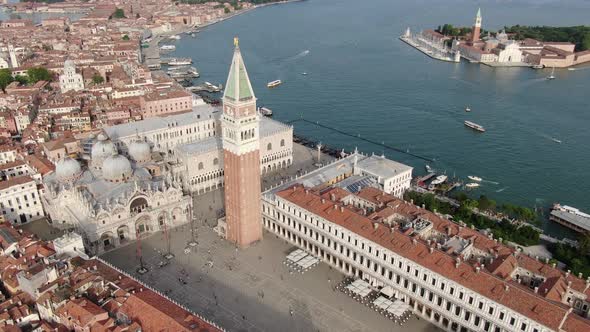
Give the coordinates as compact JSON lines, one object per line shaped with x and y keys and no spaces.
{"x":116,"y":168}
{"x":67,"y":169}
{"x":140,"y":151}
{"x":102,"y":149}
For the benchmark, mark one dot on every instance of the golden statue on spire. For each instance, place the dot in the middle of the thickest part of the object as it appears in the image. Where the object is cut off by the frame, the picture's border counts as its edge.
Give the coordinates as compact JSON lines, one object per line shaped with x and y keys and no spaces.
{"x":236,"y":42}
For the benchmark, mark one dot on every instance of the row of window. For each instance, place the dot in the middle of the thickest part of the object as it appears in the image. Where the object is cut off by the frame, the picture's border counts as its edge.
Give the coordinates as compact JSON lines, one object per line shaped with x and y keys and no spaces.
{"x":380,"y":254}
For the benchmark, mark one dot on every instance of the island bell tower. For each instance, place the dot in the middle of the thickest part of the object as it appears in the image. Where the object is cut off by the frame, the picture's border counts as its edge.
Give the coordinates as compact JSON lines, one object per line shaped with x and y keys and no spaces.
{"x":241,"y":157}
{"x":476,"y":27}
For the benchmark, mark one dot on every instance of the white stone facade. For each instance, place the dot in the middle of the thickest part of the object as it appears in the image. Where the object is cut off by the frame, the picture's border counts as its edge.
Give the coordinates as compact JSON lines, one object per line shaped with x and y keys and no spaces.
{"x":20,"y":200}
{"x":70,"y":80}
{"x":395,"y":178}
{"x":165,"y":133}
{"x":200,"y":164}
{"x":509,"y":52}
{"x":115,"y":200}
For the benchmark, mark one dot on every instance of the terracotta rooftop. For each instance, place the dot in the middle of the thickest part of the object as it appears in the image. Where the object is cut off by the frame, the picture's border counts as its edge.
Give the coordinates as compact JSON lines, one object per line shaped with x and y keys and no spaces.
{"x":506,"y":293}
{"x":15,"y":182}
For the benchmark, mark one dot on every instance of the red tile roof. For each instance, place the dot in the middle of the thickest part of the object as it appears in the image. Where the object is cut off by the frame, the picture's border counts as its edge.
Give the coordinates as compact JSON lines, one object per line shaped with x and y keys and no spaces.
{"x":509,"y":294}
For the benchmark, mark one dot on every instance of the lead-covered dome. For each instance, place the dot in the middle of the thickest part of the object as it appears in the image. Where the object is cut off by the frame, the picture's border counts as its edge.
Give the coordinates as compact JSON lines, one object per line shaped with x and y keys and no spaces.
{"x":140,"y":151}
{"x":102,"y":149}
{"x":67,"y":169}
{"x":116,"y":168}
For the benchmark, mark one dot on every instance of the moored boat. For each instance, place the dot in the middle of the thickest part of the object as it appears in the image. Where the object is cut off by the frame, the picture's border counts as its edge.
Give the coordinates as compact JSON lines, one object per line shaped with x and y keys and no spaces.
{"x":472,"y":185}
{"x":265,"y":111}
{"x":167,"y":47}
{"x":474,"y":178}
{"x":474,"y":126}
{"x":180,"y":62}
{"x":439,"y":179}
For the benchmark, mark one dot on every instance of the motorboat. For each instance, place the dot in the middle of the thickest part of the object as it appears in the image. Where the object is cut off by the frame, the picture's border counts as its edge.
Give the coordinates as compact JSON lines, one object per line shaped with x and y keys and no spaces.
{"x":552,"y":75}
{"x":439,"y":179}
{"x":167,"y":47}
{"x":274,"y":83}
{"x":474,"y":178}
{"x":265,"y":111}
{"x":474,"y":126}
{"x":429,"y":169}
{"x":467,"y":109}
{"x":472,"y":185}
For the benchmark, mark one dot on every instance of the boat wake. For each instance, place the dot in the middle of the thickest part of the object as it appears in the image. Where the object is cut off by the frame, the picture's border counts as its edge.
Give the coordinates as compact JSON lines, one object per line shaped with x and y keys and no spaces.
{"x":492,"y":182}
{"x":551,"y":138}
{"x":298,"y":56}
{"x":576,"y":69}
{"x":501,"y":190}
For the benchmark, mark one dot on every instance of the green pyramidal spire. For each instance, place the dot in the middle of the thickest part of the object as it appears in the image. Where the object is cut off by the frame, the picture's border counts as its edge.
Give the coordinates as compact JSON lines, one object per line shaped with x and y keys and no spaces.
{"x":238,"y":87}
{"x":478,"y":12}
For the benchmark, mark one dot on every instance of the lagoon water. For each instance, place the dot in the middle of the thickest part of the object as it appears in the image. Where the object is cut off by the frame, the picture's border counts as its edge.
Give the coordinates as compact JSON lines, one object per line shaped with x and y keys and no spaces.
{"x":362,"y":79}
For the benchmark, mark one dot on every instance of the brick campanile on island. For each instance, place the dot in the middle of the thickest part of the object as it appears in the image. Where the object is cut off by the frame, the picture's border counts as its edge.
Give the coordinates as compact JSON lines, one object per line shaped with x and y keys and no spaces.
{"x":241,"y":157}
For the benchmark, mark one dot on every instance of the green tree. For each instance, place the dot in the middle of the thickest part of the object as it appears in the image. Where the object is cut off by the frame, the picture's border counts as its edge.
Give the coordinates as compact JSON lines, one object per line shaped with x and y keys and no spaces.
{"x":5,"y":78}
{"x":21,"y":79}
{"x":119,"y":13}
{"x":586,"y":42}
{"x":37,"y":74}
{"x":125,"y":37}
{"x":97,"y":79}
{"x":226,"y":10}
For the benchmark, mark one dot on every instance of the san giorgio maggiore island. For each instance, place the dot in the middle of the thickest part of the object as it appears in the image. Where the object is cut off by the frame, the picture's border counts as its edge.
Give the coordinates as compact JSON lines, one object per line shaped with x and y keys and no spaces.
{"x":498,"y":50}
{"x":103,"y":154}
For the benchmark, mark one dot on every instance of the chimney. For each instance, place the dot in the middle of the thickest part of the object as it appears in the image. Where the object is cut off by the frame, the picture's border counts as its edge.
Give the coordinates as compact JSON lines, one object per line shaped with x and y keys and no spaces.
{"x":412,"y":201}
{"x":569,"y":284}
{"x":414,"y":241}
{"x":423,"y":206}
{"x":580,"y":275}
{"x":457,"y":262}
{"x":567,"y":274}
{"x":536,"y":290}
{"x":553,"y":265}
{"x":506,"y":288}
{"x":536,"y":257}
{"x":307,"y":191}
{"x":335,"y":207}
{"x":323,"y":201}
{"x":342,"y":209}
{"x":431,"y":250}
{"x":477,"y":268}
{"x":333,"y":197}
{"x":375,"y":226}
